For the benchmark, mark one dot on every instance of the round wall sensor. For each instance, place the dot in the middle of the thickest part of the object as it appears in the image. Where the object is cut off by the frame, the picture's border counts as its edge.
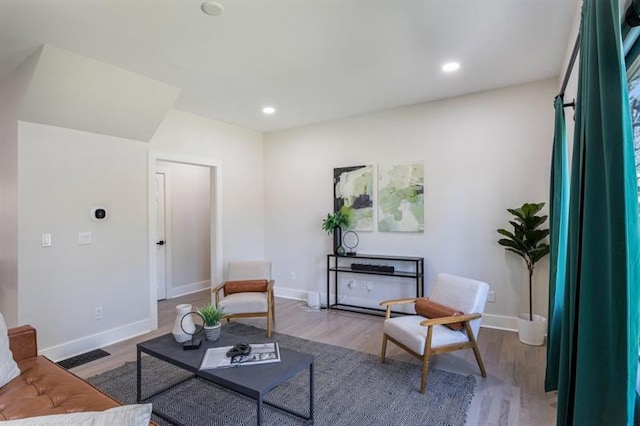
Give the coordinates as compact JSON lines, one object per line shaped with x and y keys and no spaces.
{"x":99,"y":214}
{"x":212,"y":8}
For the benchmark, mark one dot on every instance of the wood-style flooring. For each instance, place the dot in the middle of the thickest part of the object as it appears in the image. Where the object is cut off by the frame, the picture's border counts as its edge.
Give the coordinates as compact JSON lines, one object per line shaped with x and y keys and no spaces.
{"x":511,"y":394}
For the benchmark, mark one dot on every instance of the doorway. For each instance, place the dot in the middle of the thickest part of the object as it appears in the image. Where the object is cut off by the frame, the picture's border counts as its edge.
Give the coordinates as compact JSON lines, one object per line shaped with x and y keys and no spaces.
{"x":157,"y":162}
{"x":161,"y":227}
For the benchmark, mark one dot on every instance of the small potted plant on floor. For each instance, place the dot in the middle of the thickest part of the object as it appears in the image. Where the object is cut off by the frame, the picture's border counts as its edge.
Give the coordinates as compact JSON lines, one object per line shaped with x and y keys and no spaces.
{"x":527,"y":241}
{"x":212,"y":315}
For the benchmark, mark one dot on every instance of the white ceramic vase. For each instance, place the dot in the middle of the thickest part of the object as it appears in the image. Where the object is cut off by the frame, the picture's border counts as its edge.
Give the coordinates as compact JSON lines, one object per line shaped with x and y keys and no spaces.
{"x":181,"y":322}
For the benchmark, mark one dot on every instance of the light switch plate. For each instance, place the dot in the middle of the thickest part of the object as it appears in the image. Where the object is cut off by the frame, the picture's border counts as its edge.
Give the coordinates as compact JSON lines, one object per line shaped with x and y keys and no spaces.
{"x":46,"y":240}
{"x":84,"y":238}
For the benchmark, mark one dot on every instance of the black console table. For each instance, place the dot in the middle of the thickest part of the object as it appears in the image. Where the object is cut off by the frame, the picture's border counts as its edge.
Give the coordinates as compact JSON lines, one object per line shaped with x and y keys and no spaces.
{"x":372,"y":264}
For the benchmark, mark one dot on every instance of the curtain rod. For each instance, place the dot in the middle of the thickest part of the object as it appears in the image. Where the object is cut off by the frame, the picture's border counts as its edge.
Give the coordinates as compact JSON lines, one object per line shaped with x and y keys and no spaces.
{"x":632,"y":19}
{"x":567,"y":74}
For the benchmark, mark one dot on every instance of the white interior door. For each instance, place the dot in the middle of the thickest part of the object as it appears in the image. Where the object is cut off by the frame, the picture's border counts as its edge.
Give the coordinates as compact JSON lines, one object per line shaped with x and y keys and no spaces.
{"x":161,"y":244}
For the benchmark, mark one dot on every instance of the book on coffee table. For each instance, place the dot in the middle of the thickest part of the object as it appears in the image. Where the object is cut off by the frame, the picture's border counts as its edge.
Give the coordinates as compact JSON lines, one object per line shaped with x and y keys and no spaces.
{"x":261,"y":353}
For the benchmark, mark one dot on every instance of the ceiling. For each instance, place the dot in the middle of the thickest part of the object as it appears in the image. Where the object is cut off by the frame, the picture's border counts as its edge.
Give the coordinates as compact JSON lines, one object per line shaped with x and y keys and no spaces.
{"x":313,"y":60}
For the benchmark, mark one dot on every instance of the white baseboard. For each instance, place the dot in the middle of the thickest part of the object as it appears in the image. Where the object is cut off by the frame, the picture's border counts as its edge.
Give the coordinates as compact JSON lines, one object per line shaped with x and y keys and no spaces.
{"x":290,"y":293}
{"x":109,"y":337}
{"x":99,"y":340}
{"x":183,"y":290}
{"x":295,"y":294}
{"x":499,"y":322}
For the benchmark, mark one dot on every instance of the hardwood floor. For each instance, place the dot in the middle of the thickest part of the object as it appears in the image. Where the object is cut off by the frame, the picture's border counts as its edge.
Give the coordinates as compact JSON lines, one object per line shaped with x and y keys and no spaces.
{"x":511,"y":394}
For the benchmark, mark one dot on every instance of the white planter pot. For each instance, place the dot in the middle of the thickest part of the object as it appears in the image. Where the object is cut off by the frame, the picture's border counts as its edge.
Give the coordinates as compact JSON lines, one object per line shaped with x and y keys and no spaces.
{"x":532,"y":332}
{"x":212,"y":333}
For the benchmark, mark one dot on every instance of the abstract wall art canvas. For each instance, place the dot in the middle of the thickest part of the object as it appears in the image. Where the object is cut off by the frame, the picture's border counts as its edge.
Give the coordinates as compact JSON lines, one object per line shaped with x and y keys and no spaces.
{"x":401,"y":197}
{"x":353,"y":193}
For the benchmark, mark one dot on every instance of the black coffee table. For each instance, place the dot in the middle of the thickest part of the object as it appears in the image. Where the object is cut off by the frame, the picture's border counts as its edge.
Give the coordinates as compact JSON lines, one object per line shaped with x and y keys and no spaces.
{"x":254,"y":381}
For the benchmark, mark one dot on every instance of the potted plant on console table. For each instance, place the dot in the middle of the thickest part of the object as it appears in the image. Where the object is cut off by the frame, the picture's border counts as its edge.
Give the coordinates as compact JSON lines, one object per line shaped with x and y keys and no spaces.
{"x":526,"y":241}
{"x":332,"y":224}
{"x":211,"y":316}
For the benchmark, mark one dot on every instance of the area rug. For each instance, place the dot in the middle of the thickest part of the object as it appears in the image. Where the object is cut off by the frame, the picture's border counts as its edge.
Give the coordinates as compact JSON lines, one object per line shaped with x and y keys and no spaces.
{"x":351,"y":389}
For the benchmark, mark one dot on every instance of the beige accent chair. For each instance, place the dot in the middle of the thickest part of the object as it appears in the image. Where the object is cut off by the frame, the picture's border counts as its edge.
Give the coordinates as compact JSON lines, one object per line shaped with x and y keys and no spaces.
{"x":423,"y":337}
{"x":248,"y":291}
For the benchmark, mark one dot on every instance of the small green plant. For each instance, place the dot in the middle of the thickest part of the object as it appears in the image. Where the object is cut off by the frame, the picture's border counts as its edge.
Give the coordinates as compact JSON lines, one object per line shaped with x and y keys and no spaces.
{"x":335,"y":220}
{"x":211,"y":314}
{"x":526,"y":240}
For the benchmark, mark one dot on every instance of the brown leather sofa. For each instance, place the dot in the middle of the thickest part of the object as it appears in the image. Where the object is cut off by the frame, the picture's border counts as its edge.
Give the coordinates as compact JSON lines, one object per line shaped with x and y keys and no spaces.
{"x":43,"y":387}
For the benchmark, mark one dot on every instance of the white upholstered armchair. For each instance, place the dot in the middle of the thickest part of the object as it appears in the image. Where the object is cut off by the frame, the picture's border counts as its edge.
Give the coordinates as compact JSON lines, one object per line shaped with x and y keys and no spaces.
{"x":459,"y":303}
{"x":248,"y":291}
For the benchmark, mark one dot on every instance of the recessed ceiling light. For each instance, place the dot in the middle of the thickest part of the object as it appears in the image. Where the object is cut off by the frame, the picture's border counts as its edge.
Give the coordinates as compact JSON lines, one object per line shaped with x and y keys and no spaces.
{"x":268,"y":110}
{"x":450,"y":66}
{"x":212,"y":8}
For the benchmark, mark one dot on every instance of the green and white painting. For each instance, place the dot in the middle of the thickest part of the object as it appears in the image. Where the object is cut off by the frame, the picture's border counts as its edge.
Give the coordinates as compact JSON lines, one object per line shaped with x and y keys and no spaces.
{"x":352,"y":194}
{"x":401,"y":197}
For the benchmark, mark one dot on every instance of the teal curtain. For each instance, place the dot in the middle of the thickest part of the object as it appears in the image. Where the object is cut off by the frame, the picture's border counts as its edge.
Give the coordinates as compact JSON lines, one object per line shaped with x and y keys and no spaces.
{"x":599,"y":338}
{"x":559,"y":211}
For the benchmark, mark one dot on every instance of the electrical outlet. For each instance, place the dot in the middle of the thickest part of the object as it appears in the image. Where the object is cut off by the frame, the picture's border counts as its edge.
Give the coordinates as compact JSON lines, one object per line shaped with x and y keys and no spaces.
{"x":46,"y":240}
{"x":99,"y":313}
{"x":491,"y":297}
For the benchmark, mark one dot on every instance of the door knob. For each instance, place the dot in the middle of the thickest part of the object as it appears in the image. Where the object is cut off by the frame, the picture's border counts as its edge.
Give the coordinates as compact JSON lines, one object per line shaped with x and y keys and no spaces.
{"x":160,"y":243}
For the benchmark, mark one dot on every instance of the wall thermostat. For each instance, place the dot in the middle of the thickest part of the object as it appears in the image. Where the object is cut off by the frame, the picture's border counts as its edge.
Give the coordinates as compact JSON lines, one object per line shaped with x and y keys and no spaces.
{"x":99,"y":214}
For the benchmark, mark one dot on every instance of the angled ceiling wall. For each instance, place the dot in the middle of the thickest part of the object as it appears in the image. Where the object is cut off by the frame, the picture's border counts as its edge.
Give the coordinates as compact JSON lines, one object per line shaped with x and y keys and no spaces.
{"x":73,"y":91}
{"x":12,"y":91}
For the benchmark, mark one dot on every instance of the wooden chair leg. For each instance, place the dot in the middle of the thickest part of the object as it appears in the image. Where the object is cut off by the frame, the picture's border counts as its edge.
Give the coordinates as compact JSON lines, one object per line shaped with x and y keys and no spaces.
{"x":273,"y":307}
{"x":425,"y":359}
{"x":476,"y":350}
{"x":384,"y":348}
{"x":269,"y":321}
{"x":425,"y":371}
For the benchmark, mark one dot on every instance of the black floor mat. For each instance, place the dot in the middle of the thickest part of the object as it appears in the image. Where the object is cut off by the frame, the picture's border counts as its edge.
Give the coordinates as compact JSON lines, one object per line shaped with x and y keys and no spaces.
{"x":77,"y":360}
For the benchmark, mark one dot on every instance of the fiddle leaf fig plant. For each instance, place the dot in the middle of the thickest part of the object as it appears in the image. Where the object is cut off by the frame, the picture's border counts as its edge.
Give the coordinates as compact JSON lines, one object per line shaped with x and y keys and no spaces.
{"x":527,"y":239}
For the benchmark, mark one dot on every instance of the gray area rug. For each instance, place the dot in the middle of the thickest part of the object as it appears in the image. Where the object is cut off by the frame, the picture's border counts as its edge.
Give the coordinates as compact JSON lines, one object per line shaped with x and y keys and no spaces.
{"x":351,"y":389}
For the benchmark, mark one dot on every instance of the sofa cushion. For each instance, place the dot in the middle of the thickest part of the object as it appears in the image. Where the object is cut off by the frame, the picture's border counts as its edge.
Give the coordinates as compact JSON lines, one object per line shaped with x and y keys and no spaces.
{"x":127,"y":415}
{"x":43,"y":388}
{"x":8,"y":368}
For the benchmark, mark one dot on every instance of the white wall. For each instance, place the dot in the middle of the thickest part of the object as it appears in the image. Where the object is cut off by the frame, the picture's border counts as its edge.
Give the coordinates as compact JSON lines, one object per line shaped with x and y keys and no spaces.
{"x":188,"y":211}
{"x":482,"y":154}
{"x":12,"y":89}
{"x":240,"y":153}
{"x":63,"y":173}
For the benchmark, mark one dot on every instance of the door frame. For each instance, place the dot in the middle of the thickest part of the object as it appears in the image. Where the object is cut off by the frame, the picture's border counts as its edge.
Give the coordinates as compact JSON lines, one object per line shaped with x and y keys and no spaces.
{"x":164,"y":170}
{"x":215,"y":237}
